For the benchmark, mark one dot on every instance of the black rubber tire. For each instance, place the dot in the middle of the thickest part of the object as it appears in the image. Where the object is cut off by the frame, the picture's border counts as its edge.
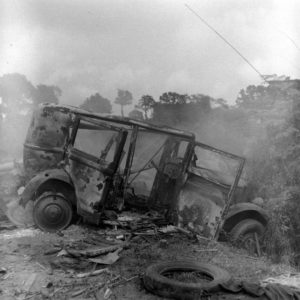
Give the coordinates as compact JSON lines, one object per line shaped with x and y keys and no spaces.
{"x":157,"y":283}
{"x":51,"y":221}
{"x":245,"y":230}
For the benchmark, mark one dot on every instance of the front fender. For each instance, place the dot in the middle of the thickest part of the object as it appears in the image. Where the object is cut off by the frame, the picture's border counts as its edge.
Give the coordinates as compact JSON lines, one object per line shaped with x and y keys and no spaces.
{"x":33,"y":185}
{"x":246,"y":206}
{"x":242,"y":211}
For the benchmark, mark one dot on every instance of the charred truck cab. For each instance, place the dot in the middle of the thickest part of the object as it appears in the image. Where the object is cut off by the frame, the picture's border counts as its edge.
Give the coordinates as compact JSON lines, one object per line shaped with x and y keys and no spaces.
{"x":82,"y":163}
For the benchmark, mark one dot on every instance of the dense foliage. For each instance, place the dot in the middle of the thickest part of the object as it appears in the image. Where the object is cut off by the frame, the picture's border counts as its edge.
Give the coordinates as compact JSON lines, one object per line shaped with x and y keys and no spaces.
{"x":123,"y":98}
{"x":97,"y":104}
{"x":136,"y":114}
{"x":274,"y":161}
{"x":146,"y":103}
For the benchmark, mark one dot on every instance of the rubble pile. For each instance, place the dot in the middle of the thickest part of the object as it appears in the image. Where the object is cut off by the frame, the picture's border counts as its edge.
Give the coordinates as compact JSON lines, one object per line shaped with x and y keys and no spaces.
{"x":82,"y":261}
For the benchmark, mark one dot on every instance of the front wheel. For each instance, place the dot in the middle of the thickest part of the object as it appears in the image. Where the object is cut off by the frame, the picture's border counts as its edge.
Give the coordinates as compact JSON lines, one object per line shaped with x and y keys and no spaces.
{"x":52,"y":212}
{"x":243,"y":234}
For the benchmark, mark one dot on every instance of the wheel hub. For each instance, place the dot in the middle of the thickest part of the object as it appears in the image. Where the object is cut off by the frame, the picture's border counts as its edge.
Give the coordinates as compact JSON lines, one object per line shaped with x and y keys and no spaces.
{"x":249,"y":243}
{"x":52,"y":212}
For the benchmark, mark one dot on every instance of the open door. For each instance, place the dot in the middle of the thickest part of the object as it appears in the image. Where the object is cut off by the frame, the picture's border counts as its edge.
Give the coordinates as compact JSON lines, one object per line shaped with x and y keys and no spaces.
{"x":206,"y":196}
{"x":94,"y":155}
{"x":157,"y":166}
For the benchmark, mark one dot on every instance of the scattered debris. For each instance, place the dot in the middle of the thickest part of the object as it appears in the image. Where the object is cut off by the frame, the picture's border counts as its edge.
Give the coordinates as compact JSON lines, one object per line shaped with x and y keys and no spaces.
{"x":163,"y":243}
{"x":79,"y":292}
{"x":68,"y":263}
{"x":186,"y":232}
{"x":108,"y":259}
{"x":29,"y":282}
{"x":207,"y":250}
{"x":168,"y":229}
{"x":89,"y":290}
{"x":83,"y":277}
{"x":193,"y":280}
{"x":62,"y":252}
{"x":52,"y":251}
{"x":107,"y":293}
{"x":93,"y":252}
{"x":124,"y":281}
{"x":92,"y":273}
{"x":285,"y":279}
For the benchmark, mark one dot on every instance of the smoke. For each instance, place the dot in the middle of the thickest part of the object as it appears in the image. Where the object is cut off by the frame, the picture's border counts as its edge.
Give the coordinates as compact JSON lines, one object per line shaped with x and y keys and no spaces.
{"x":13,"y":130}
{"x":146,"y":47}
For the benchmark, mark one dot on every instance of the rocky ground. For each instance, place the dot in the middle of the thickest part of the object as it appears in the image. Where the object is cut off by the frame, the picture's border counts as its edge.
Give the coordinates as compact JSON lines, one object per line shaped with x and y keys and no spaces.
{"x":38,"y":265}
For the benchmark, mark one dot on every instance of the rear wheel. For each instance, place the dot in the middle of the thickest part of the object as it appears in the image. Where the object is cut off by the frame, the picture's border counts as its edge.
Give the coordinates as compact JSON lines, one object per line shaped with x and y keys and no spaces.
{"x":52,"y":211}
{"x":243,"y":234}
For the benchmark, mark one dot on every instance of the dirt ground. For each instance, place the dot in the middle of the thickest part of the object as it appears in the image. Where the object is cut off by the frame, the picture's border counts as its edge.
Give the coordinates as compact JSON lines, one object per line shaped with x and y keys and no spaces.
{"x":28,"y":270}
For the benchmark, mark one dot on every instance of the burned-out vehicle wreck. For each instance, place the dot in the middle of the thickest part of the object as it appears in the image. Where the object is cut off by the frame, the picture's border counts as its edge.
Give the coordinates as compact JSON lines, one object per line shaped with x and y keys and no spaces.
{"x":79,"y":163}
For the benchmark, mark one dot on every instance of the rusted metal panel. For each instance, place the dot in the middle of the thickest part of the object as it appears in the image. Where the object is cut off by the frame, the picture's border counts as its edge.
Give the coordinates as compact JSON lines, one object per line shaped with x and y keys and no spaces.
{"x":230,"y":195}
{"x":50,"y":108}
{"x":89,"y":185}
{"x":46,"y":138}
{"x":242,"y":211}
{"x":131,"y":150}
{"x":92,"y":172}
{"x":140,"y":124}
{"x":246,"y":206}
{"x":171,"y":172}
{"x":37,"y":160}
{"x":199,"y":206}
{"x":37,"y":181}
{"x":205,"y":199}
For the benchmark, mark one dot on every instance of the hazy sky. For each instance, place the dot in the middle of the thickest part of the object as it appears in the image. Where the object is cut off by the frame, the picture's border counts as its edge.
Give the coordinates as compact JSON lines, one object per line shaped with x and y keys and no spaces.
{"x":148,"y":47}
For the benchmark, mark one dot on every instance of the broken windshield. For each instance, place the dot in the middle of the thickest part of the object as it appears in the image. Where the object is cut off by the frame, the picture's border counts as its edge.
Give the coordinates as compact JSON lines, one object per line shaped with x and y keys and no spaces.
{"x":98,"y":142}
{"x":214,"y":166}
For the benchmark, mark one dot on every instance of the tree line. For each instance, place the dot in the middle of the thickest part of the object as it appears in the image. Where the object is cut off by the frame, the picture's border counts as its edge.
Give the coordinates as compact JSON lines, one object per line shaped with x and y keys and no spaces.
{"x":143,"y":110}
{"x":19,"y":95}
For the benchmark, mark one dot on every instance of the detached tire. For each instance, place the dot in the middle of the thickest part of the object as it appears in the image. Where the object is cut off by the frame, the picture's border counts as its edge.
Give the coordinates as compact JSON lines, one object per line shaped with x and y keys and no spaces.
{"x":243,"y":234}
{"x":156,"y":281}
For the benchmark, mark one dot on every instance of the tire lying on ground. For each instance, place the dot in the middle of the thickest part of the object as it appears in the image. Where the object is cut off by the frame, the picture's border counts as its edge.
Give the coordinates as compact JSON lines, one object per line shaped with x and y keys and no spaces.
{"x":157,"y":279}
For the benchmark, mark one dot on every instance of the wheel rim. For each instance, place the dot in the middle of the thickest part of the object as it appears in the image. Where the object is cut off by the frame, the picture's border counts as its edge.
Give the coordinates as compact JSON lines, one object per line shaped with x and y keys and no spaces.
{"x":248,"y":242}
{"x":52,"y":212}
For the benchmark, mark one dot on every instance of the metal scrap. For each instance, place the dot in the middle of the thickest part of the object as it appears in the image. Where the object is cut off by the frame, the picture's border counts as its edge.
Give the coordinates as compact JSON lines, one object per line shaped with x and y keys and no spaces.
{"x":93,"y":252}
{"x":92,"y":273}
{"x":107,"y":259}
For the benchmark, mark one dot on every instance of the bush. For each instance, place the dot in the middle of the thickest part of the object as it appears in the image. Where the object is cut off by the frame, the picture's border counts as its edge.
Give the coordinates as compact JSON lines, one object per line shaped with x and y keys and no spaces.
{"x":276,"y":240}
{"x":280,"y":240}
